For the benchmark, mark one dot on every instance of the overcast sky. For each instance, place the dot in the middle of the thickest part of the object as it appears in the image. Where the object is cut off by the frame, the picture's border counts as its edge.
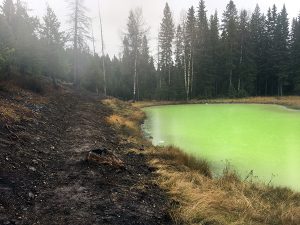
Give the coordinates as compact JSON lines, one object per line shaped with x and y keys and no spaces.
{"x":115,"y":14}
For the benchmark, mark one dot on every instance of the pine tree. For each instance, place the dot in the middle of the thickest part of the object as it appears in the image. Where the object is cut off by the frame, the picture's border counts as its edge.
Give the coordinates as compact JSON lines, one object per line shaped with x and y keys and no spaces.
{"x":6,"y":37}
{"x":126,"y":80}
{"x":281,"y":55}
{"x":50,"y":29}
{"x":27,"y":47}
{"x":295,"y":55}
{"x":147,"y":79}
{"x":258,"y":45}
{"x":270,"y":52}
{"x":203,"y":81}
{"x":54,"y":41}
{"x":229,"y":37}
{"x":8,"y":11}
{"x":214,"y":53}
{"x":179,"y":64}
{"x":246,"y":65}
{"x":166,"y":36}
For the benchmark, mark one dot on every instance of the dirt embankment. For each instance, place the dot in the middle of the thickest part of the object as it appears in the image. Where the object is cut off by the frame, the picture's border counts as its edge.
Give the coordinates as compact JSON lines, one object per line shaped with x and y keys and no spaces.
{"x":45,"y":177}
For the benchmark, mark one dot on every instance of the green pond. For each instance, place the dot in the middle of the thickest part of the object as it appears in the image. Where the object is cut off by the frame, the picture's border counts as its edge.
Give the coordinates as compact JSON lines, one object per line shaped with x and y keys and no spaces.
{"x":264,"y":139}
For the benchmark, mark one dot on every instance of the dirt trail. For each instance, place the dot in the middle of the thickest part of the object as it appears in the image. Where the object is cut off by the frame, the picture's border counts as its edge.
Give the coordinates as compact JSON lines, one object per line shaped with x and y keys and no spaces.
{"x":45,"y":178}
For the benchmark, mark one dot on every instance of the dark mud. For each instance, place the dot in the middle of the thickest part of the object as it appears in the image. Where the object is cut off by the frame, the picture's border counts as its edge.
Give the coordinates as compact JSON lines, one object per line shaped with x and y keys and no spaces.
{"x":45,"y":177}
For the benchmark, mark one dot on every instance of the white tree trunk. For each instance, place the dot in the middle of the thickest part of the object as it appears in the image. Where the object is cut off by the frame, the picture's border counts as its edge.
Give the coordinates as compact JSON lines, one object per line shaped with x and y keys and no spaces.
{"x":135,"y":77}
{"x":185,"y":76}
{"x":103,"y":55}
{"x":76,"y":44}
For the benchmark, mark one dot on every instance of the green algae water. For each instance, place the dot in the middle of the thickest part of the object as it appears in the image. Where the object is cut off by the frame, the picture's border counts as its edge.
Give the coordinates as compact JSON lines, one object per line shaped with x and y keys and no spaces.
{"x":264,"y":139}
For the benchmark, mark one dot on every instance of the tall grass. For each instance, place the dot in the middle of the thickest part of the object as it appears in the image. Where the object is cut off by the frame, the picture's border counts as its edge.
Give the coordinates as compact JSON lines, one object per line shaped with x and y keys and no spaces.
{"x":290,"y":101}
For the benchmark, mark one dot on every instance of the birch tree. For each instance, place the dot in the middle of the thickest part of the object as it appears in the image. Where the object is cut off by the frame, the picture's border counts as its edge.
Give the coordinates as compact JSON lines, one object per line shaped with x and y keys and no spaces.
{"x":229,"y":37}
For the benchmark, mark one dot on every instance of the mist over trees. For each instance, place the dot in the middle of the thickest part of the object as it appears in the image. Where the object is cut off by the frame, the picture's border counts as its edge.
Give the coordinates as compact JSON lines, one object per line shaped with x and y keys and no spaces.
{"x":235,"y":53}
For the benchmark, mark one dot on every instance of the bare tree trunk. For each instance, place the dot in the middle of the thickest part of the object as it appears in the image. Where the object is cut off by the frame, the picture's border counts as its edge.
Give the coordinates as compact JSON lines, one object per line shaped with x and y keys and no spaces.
{"x":169,"y":75}
{"x":241,"y":61}
{"x":135,"y":77}
{"x":76,"y":45}
{"x":231,"y":64}
{"x":189,"y":76}
{"x":280,"y":92}
{"x":185,"y":76}
{"x":158,"y":64}
{"x":192,"y":77}
{"x":93,"y":40}
{"x":103,"y":55}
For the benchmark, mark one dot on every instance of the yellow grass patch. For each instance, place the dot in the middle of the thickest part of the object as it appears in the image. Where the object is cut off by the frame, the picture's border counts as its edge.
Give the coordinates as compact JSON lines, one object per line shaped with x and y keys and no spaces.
{"x":122,"y":123}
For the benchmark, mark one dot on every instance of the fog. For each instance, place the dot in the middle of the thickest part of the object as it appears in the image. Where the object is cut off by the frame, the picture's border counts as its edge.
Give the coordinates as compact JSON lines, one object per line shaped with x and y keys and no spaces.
{"x":115,"y":13}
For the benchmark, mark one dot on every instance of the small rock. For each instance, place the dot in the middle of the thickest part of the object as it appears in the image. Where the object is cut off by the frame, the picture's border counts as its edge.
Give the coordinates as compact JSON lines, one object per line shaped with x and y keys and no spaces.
{"x":6,"y":158}
{"x":35,"y":161}
{"x":52,"y":147}
{"x":6,"y":222}
{"x":32,"y":168}
{"x":31,"y":195}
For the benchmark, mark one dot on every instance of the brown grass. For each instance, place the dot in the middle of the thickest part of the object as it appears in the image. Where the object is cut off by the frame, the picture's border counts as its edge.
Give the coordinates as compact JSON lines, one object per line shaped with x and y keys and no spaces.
{"x":14,"y":109}
{"x":200,"y":199}
{"x":290,"y":101}
{"x":13,"y":113}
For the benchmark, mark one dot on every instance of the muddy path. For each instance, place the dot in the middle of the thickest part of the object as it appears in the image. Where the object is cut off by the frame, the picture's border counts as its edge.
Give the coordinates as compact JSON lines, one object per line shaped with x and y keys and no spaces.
{"x":46,"y":179}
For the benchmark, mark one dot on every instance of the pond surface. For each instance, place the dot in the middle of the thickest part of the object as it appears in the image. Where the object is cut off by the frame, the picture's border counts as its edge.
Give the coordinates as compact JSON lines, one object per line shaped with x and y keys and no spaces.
{"x":262,"y":138}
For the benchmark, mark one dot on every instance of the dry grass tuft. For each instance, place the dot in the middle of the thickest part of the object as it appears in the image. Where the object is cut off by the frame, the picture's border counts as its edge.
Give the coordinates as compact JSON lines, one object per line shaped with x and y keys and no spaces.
{"x":123,"y":123}
{"x":13,"y":113}
{"x":176,"y":157}
{"x":125,"y":117}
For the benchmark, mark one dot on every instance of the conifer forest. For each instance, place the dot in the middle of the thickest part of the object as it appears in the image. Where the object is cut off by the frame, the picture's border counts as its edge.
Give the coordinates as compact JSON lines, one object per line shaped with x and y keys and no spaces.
{"x":234,"y":53}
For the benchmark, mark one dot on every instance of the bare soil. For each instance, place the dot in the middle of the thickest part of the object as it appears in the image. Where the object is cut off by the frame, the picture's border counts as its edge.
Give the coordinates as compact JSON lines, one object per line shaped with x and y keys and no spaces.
{"x":45,"y":177}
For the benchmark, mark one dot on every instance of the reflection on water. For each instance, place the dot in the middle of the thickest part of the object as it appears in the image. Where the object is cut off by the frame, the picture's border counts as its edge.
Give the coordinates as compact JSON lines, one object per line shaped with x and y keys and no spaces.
{"x":259,"y":138}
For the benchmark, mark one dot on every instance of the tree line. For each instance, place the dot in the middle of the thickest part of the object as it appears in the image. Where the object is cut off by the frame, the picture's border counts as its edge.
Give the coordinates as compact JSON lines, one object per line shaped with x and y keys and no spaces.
{"x":239,"y":54}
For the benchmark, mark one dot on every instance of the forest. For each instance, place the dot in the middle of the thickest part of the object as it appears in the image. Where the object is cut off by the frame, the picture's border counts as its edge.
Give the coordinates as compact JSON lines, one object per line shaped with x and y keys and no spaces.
{"x":230,"y":54}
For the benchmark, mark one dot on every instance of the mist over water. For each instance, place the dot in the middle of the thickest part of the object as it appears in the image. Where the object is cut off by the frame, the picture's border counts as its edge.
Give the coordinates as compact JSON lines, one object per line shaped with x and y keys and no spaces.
{"x":259,"y":138}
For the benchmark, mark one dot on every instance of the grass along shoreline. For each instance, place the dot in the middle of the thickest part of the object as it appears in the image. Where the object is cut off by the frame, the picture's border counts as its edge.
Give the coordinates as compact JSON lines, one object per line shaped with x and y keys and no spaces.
{"x":288,"y":101}
{"x":197,"y":197}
